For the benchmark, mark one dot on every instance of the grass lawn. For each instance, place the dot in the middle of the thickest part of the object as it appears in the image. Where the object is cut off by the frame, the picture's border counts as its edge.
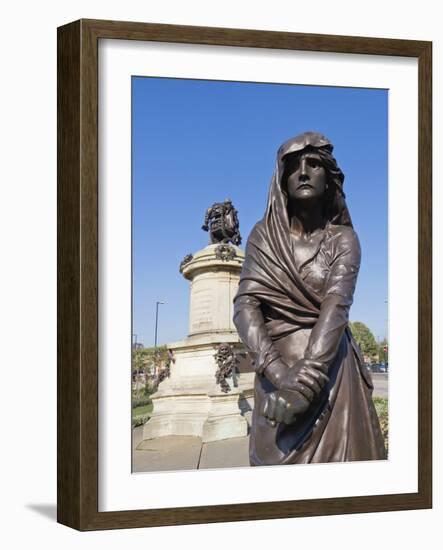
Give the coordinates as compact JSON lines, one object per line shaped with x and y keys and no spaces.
{"x":141,"y":414}
{"x":144,"y":409}
{"x":381,"y":406}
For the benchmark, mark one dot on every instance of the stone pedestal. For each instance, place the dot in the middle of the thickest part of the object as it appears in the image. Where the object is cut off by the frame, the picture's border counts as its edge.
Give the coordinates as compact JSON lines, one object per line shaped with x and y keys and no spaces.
{"x":213,"y":285}
{"x":190,"y":402}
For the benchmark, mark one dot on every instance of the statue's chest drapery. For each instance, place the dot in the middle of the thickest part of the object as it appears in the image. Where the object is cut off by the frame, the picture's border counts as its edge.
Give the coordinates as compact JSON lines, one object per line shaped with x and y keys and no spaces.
{"x":316,"y":269}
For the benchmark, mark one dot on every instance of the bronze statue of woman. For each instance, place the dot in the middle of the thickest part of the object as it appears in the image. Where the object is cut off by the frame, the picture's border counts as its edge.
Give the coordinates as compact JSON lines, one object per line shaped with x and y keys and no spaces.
{"x":313,"y":395}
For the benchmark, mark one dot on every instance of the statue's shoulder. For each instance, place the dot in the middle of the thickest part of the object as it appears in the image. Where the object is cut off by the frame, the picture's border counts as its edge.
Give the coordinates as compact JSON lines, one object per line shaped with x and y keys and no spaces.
{"x":343,"y":238}
{"x":257,"y":237}
{"x":342,"y":232}
{"x":259,"y":230}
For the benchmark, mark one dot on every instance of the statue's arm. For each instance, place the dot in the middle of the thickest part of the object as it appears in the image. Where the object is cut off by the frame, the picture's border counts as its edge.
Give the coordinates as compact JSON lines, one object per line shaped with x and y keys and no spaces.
{"x":296,"y":390}
{"x":250,"y":324}
{"x":334,"y":312}
{"x":293,"y":395}
{"x":205,"y":225}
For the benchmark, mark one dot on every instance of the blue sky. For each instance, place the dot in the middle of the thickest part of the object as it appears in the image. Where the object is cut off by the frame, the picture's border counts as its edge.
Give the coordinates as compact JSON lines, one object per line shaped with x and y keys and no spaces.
{"x":195,"y":142}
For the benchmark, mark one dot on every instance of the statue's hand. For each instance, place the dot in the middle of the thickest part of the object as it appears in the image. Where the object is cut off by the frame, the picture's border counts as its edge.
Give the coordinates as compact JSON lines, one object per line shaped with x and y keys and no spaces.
{"x":307,"y":377}
{"x":284,"y":406}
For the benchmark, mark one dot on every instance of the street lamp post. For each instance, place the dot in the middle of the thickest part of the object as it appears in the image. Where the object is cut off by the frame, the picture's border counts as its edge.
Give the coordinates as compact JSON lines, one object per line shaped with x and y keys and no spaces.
{"x":155,"y":337}
{"x":156,"y":321}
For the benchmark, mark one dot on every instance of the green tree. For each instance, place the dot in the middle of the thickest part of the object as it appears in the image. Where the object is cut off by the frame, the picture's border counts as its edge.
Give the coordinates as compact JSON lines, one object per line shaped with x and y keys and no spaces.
{"x":383,"y":351}
{"x":138,"y":361}
{"x":141,"y":366}
{"x":146,"y":361}
{"x":365,"y":339}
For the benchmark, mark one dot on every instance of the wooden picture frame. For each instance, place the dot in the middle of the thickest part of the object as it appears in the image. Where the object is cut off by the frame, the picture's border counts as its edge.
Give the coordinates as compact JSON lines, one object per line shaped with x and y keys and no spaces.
{"x":77,"y":458}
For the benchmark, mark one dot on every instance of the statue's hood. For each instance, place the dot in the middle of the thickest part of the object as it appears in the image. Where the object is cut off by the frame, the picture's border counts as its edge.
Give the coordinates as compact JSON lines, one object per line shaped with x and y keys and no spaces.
{"x":302,"y":141}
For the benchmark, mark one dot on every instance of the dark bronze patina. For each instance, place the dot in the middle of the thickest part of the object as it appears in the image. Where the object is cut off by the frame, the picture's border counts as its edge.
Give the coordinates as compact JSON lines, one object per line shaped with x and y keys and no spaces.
{"x":313,"y":395}
{"x":225,"y":252}
{"x":226,"y":360}
{"x":222,"y":223}
{"x":188,"y":258}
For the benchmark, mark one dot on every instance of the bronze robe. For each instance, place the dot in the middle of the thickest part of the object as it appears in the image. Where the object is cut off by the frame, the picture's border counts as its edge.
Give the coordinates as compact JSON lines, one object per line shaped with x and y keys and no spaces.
{"x":302,"y":311}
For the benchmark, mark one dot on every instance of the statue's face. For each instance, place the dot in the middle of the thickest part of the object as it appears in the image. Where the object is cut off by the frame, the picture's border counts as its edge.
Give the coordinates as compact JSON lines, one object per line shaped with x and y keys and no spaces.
{"x":223,"y":350}
{"x":306,"y":177}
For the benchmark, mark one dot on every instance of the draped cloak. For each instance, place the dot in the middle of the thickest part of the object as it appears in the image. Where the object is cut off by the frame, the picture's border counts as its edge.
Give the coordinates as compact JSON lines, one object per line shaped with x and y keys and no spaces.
{"x":279,"y":301}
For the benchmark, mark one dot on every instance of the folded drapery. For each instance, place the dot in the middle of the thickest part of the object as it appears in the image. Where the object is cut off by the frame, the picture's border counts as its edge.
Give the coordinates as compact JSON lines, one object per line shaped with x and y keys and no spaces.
{"x":284,"y":309}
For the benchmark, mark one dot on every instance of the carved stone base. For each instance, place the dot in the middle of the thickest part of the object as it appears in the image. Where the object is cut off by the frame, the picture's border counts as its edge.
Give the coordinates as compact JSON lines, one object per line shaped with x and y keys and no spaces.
{"x":177,"y":415}
{"x":212,"y":417}
{"x":191,"y":403}
{"x":224,"y":420}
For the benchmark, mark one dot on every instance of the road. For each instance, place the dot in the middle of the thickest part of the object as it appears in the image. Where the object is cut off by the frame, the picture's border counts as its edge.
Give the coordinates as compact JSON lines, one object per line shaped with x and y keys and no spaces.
{"x":380,"y":381}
